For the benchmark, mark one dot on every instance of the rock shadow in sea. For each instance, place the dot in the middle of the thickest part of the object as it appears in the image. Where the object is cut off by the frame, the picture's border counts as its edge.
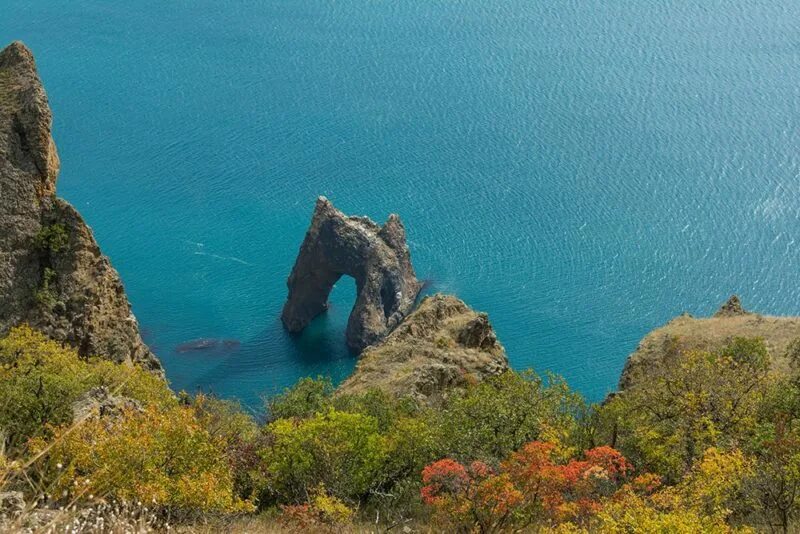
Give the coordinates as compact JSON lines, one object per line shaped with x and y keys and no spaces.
{"x":275,"y":359}
{"x":263,"y":366}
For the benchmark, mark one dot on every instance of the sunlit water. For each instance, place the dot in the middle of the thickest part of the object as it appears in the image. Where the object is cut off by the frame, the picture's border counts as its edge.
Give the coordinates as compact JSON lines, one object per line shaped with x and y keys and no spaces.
{"x":580,"y":170}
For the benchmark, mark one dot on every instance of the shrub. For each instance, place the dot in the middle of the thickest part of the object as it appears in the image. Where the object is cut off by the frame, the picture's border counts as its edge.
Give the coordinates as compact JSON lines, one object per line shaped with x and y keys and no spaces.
{"x":376,"y":403}
{"x":695,"y":401}
{"x":46,"y":294}
{"x":635,"y":513}
{"x":342,"y":451}
{"x":241,"y":437}
{"x":53,"y":238}
{"x":322,"y":513}
{"x":531,"y":487}
{"x":40,"y":379}
{"x":307,"y":397}
{"x":499,"y":415}
{"x":155,"y":456}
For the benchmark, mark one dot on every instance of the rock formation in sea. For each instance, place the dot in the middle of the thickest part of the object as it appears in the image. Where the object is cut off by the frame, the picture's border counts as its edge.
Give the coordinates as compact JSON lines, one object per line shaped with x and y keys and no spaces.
{"x":52,"y":273}
{"x":689,"y":333}
{"x":377,"y":257}
{"x":441,"y":345}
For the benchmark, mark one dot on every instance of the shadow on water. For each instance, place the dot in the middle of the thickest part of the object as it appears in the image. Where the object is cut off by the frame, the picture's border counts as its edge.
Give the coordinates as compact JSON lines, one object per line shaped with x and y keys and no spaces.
{"x":273,"y":359}
{"x":262,"y":367}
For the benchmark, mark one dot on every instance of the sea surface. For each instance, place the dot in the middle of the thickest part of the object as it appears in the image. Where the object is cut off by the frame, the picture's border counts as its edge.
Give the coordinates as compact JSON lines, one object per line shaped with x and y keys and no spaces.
{"x":581,"y":170}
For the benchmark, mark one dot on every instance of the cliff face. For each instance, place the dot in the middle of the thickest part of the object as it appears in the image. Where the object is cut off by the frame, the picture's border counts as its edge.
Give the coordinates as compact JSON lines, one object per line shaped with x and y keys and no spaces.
{"x":52,"y":273}
{"x":377,"y":257}
{"x":441,"y":345}
{"x":688,"y":333}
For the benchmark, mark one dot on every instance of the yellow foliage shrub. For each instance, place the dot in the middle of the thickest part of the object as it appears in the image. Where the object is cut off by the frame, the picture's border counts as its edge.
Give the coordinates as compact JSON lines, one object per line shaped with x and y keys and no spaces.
{"x":40,"y":379}
{"x":154,"y":456}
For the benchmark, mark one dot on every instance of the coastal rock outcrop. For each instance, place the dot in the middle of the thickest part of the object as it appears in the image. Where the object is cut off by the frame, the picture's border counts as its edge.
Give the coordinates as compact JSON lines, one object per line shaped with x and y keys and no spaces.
{"x":711,"y":333}
{"x":52,"y":273}
{"x":377,"y":257}
{"x":441,"y":345}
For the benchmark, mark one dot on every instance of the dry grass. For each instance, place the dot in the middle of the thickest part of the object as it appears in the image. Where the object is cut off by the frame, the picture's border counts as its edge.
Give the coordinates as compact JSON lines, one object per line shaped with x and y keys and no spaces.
{"x":713,"y":333}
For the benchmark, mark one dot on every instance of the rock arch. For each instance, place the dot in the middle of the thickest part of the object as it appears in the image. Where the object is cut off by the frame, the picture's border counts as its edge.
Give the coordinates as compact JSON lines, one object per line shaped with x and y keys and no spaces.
{"x":377,"y":257}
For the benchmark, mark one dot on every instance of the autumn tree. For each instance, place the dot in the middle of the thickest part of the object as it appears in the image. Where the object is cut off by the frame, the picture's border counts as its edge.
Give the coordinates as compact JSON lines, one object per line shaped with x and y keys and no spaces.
{"x":691,"y":401}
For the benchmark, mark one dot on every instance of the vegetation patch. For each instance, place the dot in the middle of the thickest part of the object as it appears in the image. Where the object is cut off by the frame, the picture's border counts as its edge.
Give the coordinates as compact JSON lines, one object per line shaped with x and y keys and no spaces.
{"x":52,"y":238}
{"x":711,"y":443}
{"x":46,"y":294}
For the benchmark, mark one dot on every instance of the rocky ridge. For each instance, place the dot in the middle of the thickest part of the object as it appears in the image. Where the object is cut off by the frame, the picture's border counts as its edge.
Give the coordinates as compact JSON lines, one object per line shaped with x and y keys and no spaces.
{"x":689,"y":333}
{"x":376,"y":256}
{"x":441,"y":345}
{"x":52,"y":272}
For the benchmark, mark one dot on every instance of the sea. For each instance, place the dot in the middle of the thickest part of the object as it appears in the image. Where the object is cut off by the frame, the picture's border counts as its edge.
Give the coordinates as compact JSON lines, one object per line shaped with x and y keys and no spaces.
{"x":581,"y":170}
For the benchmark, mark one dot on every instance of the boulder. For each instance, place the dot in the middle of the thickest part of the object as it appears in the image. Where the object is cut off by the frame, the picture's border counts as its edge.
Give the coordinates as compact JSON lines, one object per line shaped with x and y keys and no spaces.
{"x":99,"y":402}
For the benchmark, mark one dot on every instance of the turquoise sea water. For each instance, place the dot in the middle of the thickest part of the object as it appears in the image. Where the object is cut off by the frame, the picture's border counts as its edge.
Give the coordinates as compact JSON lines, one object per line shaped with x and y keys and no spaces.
{"x":581,"y":170}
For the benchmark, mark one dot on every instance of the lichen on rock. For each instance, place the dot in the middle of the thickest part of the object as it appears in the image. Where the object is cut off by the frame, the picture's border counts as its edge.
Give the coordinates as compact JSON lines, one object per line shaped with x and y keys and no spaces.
{"x":377,"y":257}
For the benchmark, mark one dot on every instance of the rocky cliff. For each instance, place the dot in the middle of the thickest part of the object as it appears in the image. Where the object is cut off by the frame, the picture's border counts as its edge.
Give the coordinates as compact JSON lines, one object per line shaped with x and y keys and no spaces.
{"x":52,"y":273}
{"x":689,"y":333}
{"x":377,"y":257}
{"x":441,"y":345}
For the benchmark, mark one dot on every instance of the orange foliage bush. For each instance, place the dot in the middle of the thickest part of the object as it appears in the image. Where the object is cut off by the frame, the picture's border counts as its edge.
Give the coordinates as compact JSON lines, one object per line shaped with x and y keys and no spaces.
{"x":531,"y":486}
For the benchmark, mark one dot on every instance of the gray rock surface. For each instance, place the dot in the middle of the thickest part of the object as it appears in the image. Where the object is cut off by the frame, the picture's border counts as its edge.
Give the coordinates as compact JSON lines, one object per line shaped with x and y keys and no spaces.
{"x":52,"y":273}
{"x":100,"y":402}
{"x":12,"y":503}
{"x":441,"y":345}
{"x":377,"y":257}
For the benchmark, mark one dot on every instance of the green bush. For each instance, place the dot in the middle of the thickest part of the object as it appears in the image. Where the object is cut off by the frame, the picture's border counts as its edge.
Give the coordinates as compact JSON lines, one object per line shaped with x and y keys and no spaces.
{"x":344,"y":452}
{"x":499,"y":415}
{"x":40,"y":379}
{"x":690,"y":403}
{"x":307,"y":397}
{"x":162,"y":457}
{"x":46,"y":293}
{"x":53,"y":238}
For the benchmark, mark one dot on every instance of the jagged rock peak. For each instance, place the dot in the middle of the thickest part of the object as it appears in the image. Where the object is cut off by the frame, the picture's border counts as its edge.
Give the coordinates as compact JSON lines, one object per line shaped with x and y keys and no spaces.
{"x":377,"y":257}
{"x":731,"y":308}
{"x":25,"y":123}
{"x":52,"y":272}
{"x":441,"y":345}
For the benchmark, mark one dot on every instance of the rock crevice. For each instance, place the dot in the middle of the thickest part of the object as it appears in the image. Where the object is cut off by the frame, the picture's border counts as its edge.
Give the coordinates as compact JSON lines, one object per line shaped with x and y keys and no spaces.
{"x":377,"y":257}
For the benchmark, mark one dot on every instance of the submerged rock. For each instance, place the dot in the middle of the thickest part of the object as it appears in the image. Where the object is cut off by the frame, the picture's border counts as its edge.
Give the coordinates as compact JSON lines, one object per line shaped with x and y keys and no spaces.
{"x":441,"y":345}
{"x":208,"y":344}
{"x":377,"y":257}
{"x":52,"y":273}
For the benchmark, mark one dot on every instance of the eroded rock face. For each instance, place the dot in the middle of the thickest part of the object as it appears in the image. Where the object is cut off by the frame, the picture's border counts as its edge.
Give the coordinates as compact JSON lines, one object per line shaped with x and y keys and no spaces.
{"x":377,"y":257}
{"x":441,"y":345}
{"x":685,"y":333}
{"x":52,"y":273}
